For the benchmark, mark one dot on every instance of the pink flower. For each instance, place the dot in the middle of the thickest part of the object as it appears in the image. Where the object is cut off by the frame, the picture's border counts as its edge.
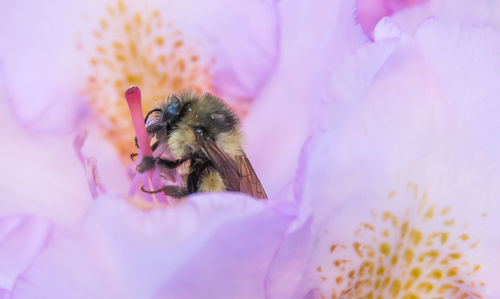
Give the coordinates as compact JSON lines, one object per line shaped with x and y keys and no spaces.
{"x":78,"y":64}
{"x":378,"y":158}
{"x":370,"y":12}
{"x":402,"y":197}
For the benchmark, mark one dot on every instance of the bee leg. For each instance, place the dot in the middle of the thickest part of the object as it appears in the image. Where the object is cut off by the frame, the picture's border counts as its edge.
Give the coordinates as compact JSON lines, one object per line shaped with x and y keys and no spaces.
{"x":153,"y":128}
{"x":153,"y":147}
{"x":172,"y":191}
{"x":169,"y":164}
{"x":146,"y":164}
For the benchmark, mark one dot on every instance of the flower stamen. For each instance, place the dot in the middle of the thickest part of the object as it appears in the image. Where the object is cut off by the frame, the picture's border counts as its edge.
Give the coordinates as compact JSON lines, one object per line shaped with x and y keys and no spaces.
{"x":133,"y":97}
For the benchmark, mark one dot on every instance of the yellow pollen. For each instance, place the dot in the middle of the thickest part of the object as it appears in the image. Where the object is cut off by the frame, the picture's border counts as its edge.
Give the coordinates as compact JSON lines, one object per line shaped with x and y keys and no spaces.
{"x":394,"y":259}
{"x":449,"y":222}
{"x":415,"y":237}
{"x":395,"y":288}
{"x":396,"y":256}
{"x":425,"y":287}
{"x":430,"y":213}
{"x":415,"y":273}
{"x":125,"y":54}
{"x":452,"y":272}
{"x":436,"y":274}
{"x":410,"y":296}
{"x":138,"y":19}
{"x":339,"y":279}
{"x":408,"y":256}
{"x":445,"y":211}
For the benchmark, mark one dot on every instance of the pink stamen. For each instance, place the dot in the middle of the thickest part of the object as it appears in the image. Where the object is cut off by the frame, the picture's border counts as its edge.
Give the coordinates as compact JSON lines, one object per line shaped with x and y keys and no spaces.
{"x":90,"y":166}
{"x":133,"y":96}
{"x":152,"y":178}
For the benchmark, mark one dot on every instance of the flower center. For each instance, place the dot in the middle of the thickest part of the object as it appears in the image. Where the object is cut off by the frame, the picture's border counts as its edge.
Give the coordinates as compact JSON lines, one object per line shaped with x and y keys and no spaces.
{"x":138,"y":48}
{"x":420,"y":254}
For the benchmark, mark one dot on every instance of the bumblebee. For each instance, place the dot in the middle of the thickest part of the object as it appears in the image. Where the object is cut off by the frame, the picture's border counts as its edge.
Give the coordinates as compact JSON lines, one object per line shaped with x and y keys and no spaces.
{"x":203,"y":132}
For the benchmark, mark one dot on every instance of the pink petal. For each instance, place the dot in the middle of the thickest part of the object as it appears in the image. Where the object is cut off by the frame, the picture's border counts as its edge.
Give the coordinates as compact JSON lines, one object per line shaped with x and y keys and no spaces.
{"x":243,"y":37}
{"x":43,"y":177}
{"x":469,"y":11}
{"x":422,"y":125}
{"x":211,"y":245}
{"x":46,"y":50}
{"x":21,"y":238}
{"x":247,"y":40}
{"x":289,"y":263}
{"x":40,"y":53}
{"x":370,"y":12}
{"x":287,"y":108}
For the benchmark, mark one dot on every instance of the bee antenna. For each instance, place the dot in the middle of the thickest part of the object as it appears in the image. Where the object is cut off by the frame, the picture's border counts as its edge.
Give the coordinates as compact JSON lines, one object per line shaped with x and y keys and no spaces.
{"x":133,"y":155}
{"x":149,"y":113}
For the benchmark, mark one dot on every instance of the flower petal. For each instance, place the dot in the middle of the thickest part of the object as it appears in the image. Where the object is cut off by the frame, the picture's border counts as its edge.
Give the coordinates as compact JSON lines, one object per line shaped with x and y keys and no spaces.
{"x":370,"y":12}
{"x":36,"y":50}
{"x":293,"y":96}
{"x":245,"y":40}
{"x":411,"y":176}
{"x":476,"y":12}
{"x":205,"y":242}
{"x":43,"y":175}
{"x":21,"y":238}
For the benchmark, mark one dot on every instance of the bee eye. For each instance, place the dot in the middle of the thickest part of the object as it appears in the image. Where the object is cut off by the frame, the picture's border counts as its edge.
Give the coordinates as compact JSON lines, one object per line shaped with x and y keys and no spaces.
{"x":173,"y":109}
{"x":200,"y":130}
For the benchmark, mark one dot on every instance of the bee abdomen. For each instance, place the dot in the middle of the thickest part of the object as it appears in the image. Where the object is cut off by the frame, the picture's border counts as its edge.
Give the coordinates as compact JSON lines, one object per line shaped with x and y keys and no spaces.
{"x":211,"y":181}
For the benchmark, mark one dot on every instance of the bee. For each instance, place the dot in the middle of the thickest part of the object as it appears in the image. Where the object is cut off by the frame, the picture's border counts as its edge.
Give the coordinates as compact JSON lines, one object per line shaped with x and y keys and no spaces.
{"x":204,"y":132}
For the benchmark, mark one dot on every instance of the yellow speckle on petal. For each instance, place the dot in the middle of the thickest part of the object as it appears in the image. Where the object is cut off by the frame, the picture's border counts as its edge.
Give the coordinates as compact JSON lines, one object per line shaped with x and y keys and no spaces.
{"x":395,"y":288}
{"x":436,"y":274}
{"x":418,"y":253}
{"x":452,"y":272}
{"x":126,"y":54}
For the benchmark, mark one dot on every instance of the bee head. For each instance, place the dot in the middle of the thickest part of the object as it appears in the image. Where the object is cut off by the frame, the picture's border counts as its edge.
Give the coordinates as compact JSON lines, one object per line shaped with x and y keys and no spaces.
{"x":172,"y":110}
{"x":186,"y":116}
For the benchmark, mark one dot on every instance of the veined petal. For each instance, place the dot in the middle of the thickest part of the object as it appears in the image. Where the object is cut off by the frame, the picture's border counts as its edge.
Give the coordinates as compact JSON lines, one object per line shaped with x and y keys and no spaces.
{"x":370,"y":12}
{"x":41,"y":174}
{"x":474,"y":12}
{"x":404,"y":198}
{"x":314,"y":38}
{"x":220,"y":48}
{"x":95,"y":50}
{"x":21,"y":239}
{"x":39,"y":62}
{"x":213,"y":245}
{"x":244,"y":37}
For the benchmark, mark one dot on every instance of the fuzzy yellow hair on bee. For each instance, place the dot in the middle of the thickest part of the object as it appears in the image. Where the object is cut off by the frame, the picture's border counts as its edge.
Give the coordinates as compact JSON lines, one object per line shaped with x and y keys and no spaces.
{"x":203,"y":131}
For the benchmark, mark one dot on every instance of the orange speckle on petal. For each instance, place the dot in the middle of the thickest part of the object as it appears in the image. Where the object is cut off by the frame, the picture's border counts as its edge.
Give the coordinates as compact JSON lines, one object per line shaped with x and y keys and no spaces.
{"x":178,"y":44}
{"x":159,"y":41}
{"x":158,"y":65}
{"x":138,"y":19}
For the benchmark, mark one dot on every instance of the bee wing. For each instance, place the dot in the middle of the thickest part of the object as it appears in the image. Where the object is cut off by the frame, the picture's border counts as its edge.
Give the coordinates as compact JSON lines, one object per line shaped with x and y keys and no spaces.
{"x":249,"y":182}
{"x":224,"y":164}
{"x":238,"y":175}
